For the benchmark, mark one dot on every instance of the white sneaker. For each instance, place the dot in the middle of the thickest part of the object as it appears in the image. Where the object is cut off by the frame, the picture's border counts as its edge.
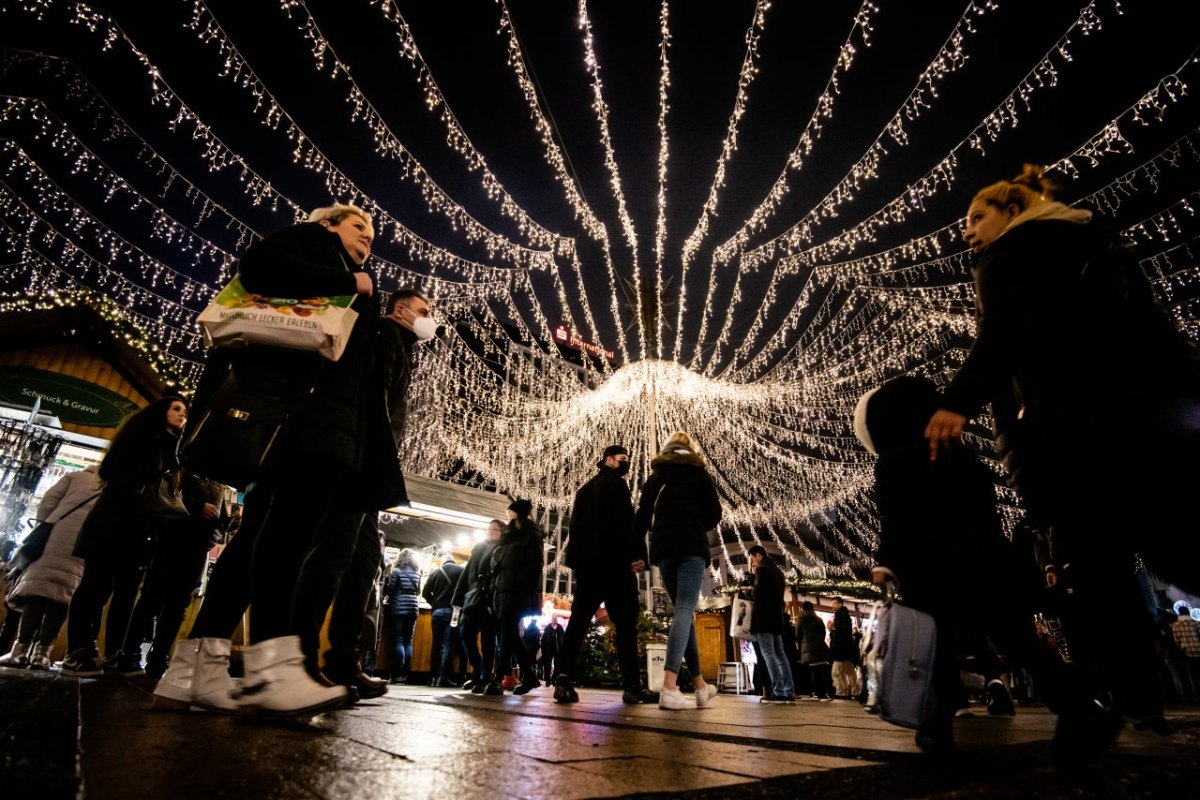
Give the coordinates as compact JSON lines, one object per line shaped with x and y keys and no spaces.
{"x":704,"y":696}
{"x":673,"y":700}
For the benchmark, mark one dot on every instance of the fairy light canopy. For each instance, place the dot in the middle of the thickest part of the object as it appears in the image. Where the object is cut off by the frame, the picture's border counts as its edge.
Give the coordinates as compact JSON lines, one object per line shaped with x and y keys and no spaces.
{"x":753,"y":206}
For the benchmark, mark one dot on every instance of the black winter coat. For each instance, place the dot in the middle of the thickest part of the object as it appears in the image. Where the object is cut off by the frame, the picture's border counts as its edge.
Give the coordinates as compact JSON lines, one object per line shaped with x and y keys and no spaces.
{"x":516,"y":569}
{"x":601,"y":535}
{"x":1070,"y":335}
{"x":767,"y":616}
{"x":345,"y":420}
{"x":810,"y":633}
{"x":678,"y":505}
{"x":842,"y":646}
{"x":440,"y":585}
{"x":474,"y":575}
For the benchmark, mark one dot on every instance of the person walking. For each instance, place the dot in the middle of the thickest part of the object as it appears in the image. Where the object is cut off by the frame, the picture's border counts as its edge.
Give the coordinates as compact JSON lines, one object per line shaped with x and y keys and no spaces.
{"x":439,"y":593}
{"x":605,"y":557}
{"x":843,"y":649}
{"x":814,"y":652}
{"x":678,"y":506}
{"x":1073,"y":353}
{"x":176,"y":571}
{"x":407,"y":322}
{"x":551,"y":643}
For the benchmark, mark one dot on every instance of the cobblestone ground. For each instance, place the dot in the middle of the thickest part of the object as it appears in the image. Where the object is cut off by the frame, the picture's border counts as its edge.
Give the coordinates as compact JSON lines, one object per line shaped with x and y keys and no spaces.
{"x":64,"y":738}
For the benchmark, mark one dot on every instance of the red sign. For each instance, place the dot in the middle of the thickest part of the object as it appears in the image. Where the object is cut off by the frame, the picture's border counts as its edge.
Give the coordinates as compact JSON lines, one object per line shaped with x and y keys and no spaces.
{"x":563,"y":336}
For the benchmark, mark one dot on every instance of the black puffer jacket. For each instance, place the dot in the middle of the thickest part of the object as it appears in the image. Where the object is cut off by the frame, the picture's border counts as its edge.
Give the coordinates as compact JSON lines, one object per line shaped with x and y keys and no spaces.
{"x":601,"y":534}
{"x":516,"y":569}
{"x":810,"y":633}
{"x":678,"y":505}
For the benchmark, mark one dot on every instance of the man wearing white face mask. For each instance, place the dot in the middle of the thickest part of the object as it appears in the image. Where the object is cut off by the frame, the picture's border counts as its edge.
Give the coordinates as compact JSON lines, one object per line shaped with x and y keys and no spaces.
{"x":606,"y":557}
{"x":409,"y":309}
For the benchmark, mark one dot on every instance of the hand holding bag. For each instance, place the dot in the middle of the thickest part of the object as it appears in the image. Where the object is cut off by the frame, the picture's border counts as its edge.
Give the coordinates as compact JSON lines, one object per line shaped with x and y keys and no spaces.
{"x":739,"y":618}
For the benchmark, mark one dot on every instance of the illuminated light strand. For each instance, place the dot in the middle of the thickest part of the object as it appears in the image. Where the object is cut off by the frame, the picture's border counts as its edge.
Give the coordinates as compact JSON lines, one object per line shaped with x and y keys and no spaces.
{"x":51,"y":195}
{"x":51,"y":192}
{"x":942,"y":175}
{"x":46,"y":279}
{"x":272,"y":114}
{"x":592,"y":65}
{"x":1167,"y":91}
{"x":96,"y":103}
{"x":460,"y":143}
{"x":861,"y":29}
{"x":951,"y":57}
{"x":84,"y":161}
{"x":259,"y":190}
{"x":728,"y":146}
{"x":554,"y":157}
{"x":660,"y":226}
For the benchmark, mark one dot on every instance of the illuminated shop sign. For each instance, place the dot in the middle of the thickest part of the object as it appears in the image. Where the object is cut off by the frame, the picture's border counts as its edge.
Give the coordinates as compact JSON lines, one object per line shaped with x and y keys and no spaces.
{"x":563,"y":335}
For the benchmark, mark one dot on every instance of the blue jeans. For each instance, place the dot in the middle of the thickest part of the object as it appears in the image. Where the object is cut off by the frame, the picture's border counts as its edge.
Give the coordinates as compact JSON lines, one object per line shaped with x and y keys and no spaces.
{"x":778,"y":668}
{"x":682,"y":578}
{"x":403,"y":628}
{"x":441,"y":655}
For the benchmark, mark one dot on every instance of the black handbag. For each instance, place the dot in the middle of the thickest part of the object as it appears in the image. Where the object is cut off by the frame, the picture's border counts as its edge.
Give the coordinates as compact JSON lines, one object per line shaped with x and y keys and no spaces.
{"x":239,"y":429}
{"x":164,"y":500}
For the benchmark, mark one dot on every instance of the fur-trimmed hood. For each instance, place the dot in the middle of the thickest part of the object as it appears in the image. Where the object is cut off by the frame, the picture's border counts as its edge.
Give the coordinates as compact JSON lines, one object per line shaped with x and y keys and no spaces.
{"x":677,"y":455}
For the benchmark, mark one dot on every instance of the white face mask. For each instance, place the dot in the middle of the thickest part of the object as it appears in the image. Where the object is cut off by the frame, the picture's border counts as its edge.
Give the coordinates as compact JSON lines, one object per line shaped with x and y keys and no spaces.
{"x":425,"y":328}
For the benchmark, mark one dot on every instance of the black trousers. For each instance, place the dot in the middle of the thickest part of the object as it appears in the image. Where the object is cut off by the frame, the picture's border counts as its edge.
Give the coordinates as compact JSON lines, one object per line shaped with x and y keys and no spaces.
{"x":481,"y":655}
{"x":105,"y":575}
{"x":174,"y":573}
{"x":348,"y":617}
{"x":512,"y":645}
{"x":618,"y":592}
{"x":228,"y":593}
{"x":116,"y":543}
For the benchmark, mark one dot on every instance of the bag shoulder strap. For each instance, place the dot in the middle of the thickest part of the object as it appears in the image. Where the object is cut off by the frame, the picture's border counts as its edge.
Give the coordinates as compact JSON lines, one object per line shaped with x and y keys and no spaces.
{"x":75,"y":508}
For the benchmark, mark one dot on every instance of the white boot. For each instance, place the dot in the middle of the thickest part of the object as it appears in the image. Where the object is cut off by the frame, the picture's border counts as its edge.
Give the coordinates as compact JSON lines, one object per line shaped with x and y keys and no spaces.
{"x":197,"y":675}
{"x":18,"y":658}
{"x":39,"y":657}
{"x":277,"y":684}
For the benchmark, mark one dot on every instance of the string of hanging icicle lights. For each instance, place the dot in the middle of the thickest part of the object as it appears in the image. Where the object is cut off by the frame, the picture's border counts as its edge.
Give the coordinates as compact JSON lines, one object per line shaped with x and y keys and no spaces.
{"x":771,"y":314}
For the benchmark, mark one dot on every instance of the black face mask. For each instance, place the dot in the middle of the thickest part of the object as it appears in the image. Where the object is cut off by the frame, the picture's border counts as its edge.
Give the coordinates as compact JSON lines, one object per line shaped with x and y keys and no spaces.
{"x":622,"y":468}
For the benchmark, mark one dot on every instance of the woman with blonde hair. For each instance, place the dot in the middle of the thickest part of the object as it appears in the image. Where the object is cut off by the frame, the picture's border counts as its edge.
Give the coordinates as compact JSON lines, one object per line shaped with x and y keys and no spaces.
{"x":679,"y":505}
{"x":1095,"y":395}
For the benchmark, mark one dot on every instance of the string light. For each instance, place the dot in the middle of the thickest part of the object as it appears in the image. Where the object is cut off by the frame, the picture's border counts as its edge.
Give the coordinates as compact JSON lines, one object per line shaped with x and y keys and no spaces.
{"x":491,"y":403}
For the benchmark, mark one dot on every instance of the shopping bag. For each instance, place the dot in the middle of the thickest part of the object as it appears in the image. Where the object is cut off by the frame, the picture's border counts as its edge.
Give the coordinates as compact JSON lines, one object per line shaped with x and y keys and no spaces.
{"x":904,"y":644}
{"x":236,"y":318}
{"x":739,"y":619}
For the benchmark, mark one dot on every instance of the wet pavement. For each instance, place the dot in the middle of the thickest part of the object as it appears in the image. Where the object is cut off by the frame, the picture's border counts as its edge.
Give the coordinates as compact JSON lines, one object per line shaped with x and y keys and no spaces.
{"x":96,"y":738}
